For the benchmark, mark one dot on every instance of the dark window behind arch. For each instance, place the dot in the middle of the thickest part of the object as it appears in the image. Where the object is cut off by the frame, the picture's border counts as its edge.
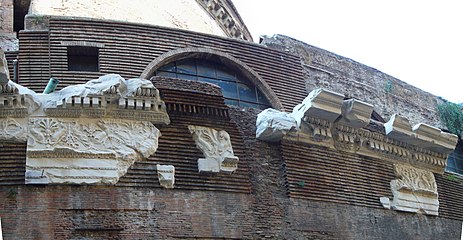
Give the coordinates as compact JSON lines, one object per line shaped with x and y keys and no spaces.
{"x":455,"y":159}
{"x":236,"y":89}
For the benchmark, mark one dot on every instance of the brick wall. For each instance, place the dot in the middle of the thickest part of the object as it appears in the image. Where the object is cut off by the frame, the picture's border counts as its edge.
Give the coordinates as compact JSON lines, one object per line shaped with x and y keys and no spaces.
{"x":389,"y":95}
{"x":267,"y":210}
{"x":129,"y":48}
{"x":8,"y":40}
{"x":261,"y":200}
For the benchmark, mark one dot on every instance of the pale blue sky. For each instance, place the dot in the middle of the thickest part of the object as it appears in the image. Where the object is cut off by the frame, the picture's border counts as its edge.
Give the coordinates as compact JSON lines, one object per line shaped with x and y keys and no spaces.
{"x":419,"y":42}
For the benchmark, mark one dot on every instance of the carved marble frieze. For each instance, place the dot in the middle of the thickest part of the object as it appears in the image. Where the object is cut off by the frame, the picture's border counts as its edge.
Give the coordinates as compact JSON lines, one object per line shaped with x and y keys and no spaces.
{"x":84,"y":150}
{"x":86,"y":133}
{"x":217,"y":149}
{"x":13,"y":129}
{"x":166,"y":175}
{"x":325,"y":119}
{"x":414,"y":190}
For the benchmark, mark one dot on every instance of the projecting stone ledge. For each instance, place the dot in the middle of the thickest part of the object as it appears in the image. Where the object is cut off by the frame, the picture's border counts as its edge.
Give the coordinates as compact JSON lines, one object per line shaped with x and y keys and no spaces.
{"x":422,"y":135}
{"x":327,"y":106}
{"x":325,"y":119}
{"x":356,"y":113}
{"x":320,"y":103}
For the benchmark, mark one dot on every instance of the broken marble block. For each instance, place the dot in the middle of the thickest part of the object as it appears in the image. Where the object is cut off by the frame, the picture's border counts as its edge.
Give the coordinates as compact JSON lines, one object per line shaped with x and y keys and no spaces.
{"x":166,"y":175}
{"x":217,"y":149}
{"x":356,"y":113}
{"x":414,"y":190}
{"x":398,"y":128}
{"x":423,"y":135}
{"x":272,"y":125}
{"x":320,"y":103}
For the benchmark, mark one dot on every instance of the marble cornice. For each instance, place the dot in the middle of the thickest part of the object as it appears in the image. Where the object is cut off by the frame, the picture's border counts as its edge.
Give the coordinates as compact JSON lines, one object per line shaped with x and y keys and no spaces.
{"x":325,"y":119}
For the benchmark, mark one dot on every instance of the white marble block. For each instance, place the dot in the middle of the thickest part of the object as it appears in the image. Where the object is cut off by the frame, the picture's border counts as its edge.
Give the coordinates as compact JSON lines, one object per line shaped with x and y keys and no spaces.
{"x":217,"y":149}
{"x":166,"y":175}
{"x":414,"y":190}
{"x":272,"y":125}
{"x":320,"y":103}
{"x":356,"y":113}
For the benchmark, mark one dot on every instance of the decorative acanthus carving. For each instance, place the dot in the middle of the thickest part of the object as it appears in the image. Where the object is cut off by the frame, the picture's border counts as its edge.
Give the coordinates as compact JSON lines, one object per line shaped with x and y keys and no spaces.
{"x":325,"y":119}
{"x":65,"y":150}
{"x":217,"y":149}
{"x":166,"y":175}
{"x":414,"y":190}
{"x":86,"y":133}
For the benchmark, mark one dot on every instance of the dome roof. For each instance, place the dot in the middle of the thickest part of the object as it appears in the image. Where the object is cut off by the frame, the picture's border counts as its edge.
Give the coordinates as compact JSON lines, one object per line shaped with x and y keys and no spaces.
{"x":217,"y":17}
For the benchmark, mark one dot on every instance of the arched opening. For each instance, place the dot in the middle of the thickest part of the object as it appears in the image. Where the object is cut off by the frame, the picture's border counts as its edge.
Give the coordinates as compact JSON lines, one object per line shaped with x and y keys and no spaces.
{"x":236,"y":88}
{"x":239,"y":83}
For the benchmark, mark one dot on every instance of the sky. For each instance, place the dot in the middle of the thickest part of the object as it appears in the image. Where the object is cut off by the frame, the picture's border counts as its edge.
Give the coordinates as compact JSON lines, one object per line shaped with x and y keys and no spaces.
{"x":419,"y":42}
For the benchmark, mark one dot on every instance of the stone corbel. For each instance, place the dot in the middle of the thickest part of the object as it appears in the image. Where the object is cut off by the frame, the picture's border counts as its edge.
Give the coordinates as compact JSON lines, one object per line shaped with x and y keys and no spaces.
{"x":217,"y":149}
{"x":355,"y":113}
{"x":414,"y":190}
{"x":166,"y":175}
{"x":320,"y":103}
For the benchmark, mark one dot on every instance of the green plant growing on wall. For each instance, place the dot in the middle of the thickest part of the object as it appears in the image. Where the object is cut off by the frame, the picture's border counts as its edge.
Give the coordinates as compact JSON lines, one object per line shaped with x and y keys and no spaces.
{"x":452,"y":177}
{"x":452,"y":117}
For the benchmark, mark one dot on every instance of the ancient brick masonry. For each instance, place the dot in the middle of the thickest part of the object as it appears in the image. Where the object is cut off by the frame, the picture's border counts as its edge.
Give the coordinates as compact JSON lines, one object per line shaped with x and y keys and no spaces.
{"x":324,"y":69}
{"x":325,"y":119}
{"x":316,"y":173}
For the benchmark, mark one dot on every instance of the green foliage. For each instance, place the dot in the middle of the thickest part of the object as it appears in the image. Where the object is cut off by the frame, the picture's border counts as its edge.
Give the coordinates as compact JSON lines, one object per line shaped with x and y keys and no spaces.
{"x":451,"y":177}
{"x":301,"y":184}
{"x":452,"y":116}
